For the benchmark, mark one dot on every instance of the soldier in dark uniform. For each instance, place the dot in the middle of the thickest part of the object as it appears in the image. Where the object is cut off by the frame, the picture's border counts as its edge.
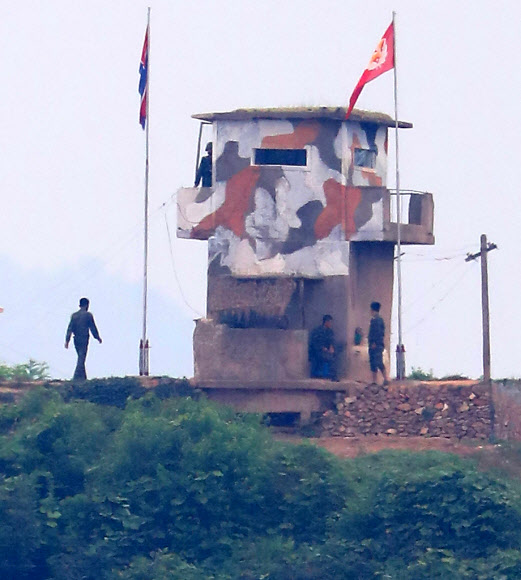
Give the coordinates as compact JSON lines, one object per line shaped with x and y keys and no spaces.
{"x":204,"y":172}
{"x":321,"y":351}
{"x":375,"y":340}
{"x":81,"y":325}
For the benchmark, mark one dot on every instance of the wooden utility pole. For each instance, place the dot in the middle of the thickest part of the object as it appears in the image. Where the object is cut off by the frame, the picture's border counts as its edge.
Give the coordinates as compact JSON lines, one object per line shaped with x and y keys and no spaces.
{"x":485,"y":248}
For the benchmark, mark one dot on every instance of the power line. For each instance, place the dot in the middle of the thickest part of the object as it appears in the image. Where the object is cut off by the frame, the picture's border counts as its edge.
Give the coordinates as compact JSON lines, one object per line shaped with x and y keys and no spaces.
{"x":438,"y":282}
{"x":66,"y":284}
{"x":175,"y":271}
{"x":417,"y":257}
{"x":437,"y":303}
{"x":63,"y":286}
{"x":92,"y":267}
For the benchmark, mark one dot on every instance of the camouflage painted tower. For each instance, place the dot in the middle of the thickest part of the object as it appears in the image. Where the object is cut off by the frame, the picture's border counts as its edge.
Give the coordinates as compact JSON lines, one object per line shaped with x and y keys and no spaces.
{"x":299,"y":224}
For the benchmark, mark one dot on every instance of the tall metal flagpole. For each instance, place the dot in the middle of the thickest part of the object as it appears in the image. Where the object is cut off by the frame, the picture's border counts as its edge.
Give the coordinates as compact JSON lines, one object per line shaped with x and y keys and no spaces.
{"x":144,"y":345}
{"x":400,"y":349}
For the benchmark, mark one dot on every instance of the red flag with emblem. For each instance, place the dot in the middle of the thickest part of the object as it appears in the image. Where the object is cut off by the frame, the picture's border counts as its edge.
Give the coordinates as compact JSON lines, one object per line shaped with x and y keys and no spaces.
{"x":381,"y":61}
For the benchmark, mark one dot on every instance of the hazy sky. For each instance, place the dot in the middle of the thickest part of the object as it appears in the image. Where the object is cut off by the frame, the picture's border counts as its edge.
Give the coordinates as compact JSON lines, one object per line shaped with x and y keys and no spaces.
{"x":72,"y":160}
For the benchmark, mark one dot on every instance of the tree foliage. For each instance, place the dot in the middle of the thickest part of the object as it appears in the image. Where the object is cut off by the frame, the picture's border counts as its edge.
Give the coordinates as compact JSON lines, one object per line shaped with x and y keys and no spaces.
{"x":24,"y":372}
{"x":180,"y":488}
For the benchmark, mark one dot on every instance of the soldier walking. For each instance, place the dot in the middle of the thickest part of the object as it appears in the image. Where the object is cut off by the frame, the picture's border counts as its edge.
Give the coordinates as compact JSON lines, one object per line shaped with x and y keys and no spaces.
{"x":81,"y":325}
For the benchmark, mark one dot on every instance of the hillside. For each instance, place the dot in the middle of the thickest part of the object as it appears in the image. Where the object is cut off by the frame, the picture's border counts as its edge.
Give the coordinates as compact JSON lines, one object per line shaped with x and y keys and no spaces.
{"x":168,"y":485}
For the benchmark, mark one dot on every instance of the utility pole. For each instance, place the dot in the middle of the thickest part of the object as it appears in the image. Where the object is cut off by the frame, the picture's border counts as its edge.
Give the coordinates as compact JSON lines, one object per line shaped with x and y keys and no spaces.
{"x":485,"y":248}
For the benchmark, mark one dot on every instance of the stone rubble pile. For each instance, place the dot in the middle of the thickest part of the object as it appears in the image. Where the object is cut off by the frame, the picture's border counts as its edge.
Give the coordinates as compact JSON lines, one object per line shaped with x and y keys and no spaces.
{"x":440,"y":410}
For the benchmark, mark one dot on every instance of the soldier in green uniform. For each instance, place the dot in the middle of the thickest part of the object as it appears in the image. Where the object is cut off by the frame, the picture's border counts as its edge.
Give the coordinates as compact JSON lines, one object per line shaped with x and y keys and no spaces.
{"x":81,"y":326}
{"x":321,"y":351}
{"x":375,"y":339}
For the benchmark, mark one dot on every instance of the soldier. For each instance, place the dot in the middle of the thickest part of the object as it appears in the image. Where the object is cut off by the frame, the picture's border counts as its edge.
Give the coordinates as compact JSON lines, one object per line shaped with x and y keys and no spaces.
{"x":375,"y":339}
{"x":81,"y":325}
{"x":204,"y":172}
{"x":322,"y":350}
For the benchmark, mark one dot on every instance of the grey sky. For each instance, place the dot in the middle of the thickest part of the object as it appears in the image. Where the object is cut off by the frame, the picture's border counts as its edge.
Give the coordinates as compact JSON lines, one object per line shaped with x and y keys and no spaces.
{"x":73,"y":160}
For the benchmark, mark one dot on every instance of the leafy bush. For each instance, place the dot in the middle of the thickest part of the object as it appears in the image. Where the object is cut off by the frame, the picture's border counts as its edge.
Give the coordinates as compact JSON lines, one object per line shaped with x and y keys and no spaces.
{"x":22,"y":534}
{"x":161,"y":565}
{"x":467,"y":513}
{"x":418,"y":374}
{"x":444,"y":564}
{"x":179,"y":488}
{"x":303,"y":486}
{"x":116,"y":391}
{"x":55,"y":438}
{"x":418,"y":509}
{"x":25,"y":372}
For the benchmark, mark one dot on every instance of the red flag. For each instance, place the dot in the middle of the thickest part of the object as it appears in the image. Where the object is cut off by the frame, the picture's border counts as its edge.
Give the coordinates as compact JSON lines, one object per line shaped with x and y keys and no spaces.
{"x":381,"y":61}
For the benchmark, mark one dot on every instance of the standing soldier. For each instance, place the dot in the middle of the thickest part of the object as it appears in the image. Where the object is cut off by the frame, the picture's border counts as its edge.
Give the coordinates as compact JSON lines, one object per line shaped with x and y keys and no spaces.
{"x":204,"y":173}
{"x":81,"y":325}
{"x":375,"y":339}
{"x":321,"y":352}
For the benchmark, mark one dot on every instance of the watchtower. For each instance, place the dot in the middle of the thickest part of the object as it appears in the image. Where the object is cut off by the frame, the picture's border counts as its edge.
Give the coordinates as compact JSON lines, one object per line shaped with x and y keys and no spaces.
{"x":299,"y":223}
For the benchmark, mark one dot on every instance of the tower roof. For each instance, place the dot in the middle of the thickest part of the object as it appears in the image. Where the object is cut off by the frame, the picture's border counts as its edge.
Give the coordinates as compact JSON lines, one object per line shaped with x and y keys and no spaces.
{"x":333,"y":113}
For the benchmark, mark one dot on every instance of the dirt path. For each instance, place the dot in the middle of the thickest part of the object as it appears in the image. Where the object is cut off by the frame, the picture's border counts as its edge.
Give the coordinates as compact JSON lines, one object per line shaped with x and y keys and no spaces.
{"x":349,"y":447}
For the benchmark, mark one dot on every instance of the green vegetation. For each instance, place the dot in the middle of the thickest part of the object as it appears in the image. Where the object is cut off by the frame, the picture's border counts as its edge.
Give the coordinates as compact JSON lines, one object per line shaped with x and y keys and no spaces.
{"x":418,"y":374}
{"x":29,"y":371}
{"x":176,"y":488}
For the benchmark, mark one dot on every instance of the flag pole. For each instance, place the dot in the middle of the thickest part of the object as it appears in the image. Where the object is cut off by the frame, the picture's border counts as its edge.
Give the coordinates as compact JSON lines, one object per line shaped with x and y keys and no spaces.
{"x":400,"y":349}
{"x":143,"y":345}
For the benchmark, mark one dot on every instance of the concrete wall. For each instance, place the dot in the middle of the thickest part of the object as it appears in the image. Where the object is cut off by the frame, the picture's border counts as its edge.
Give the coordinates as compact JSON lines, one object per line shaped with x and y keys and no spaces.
{"x":286,"y":303}
{"x":371,"y":279}
{"x":507,"y":408}
{"x":267,"y":296}
{"x":249,"y":354}
{"x":274,"y":401}
{"x":287,"y":220}
{"x":298,"y":304}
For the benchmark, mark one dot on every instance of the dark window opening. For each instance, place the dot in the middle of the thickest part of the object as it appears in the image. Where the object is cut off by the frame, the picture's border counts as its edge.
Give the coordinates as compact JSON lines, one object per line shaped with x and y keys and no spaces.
{"x":365,"y":158}
{"x":287,"y":419}
{"x":295,"y":157}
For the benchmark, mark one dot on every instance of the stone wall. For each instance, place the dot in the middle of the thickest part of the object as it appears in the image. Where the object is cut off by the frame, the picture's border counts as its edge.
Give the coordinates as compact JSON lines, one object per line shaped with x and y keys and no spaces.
{"x":268,"y":296}
{"x":412,"y":409}
{"x":507,"y":406}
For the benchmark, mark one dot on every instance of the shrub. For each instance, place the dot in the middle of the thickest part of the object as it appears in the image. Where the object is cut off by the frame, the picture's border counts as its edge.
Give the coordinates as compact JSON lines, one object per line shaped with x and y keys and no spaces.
{"x":25,"y":372}
{"x":161,"y":565}
{"x":179,"y":488}
{"x":303,"y":486}
{"x":446,"y":505}
{"x":22,"y":530}
{"x":418,"y":374}
{"x":50,"y":436}
{"x":467,"y":513}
